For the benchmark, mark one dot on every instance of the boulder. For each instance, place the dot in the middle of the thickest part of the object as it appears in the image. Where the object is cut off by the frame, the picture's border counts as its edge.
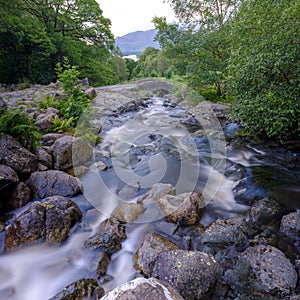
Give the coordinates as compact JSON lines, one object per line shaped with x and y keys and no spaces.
{"x":108,"y":238}
{"x":128,"y":212}
{"x":46,"y":122}
{"x":19,"y":196}
{"x":48,"y":221}
{"x":8,"y":177}
{"x":290,"y":225}
{"x":44,"y":156}
{"x":91,"y":92}
{"x":68,"y":151}
{"x":184,"y":209}
{"x":142,"y":288}
{"x":266,"y":211}
{"x":192,"y":273}
{"x":146,"y":255}
{"x":157,"y":191}
{"x":262,"y":270}
{"x":100,"y":263}
{"x":50,"y":138}
{"x":226,"y":232}
{"x":14,"y":155}
{"x":80,"y":289}
{"x":52,"y":183}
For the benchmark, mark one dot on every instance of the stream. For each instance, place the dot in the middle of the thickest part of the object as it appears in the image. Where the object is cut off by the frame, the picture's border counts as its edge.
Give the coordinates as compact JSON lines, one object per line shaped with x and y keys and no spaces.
{"x":157,"y":142}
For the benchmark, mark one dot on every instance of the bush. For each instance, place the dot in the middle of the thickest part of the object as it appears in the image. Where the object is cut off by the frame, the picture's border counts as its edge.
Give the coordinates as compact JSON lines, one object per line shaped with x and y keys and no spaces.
{"x":17,"y":124}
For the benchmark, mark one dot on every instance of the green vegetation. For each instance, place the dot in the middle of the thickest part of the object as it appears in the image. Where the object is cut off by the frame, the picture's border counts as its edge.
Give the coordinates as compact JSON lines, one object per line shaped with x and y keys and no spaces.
{"x":17,"y":124}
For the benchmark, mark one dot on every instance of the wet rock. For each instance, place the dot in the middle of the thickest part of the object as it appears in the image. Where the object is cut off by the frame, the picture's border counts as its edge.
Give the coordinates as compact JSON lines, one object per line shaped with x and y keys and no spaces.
{"x":52,"y":183}
{"x":130,"y":106}
{"x":226,"y":232}
{"x":68,"y":151}
{"x":7,"y":177}
{"x":142,"y":288}
{"x":146,"y":255}
{"x":80,"y":289}
{"x":108,"y":238}
{"x":157,"y":191}
{"x":192,"y":273}
{"x":262,"y":270}
{"x":100,"y":263}
{"x":48,"y":221}
{"x":290,"y":225}
{"x":185,"y":209}
{"x":50,"y":138}
{"x":128,"y":212}
{"x":44,"y":156}
{"x":46,"y":122}
{"x":266,"y":211}
{"x":19,"y":196}
{"x":15,"y":156}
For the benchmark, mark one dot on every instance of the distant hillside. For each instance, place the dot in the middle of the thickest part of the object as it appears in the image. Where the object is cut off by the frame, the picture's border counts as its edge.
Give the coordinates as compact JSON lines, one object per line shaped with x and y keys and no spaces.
{"x":137,"y":42}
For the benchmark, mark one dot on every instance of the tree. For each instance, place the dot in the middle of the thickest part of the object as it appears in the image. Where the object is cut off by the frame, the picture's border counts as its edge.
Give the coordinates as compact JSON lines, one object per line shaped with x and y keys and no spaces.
{"x":264,"y":67}
{"x":199,"y":47}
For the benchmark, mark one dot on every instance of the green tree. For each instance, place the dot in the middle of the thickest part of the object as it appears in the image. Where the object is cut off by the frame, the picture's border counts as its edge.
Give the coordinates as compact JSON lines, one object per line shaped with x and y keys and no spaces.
{"x":130,"y":65}
{"x":264,"y":67}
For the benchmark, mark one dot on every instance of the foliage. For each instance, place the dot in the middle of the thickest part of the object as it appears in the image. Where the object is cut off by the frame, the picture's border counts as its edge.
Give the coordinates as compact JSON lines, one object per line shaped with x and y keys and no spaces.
{"x":36,"y":35}
{"x":62,"y":125}
{"x":264,"y":67}
{"x":130,"y":65}
{"x":17,"y":124}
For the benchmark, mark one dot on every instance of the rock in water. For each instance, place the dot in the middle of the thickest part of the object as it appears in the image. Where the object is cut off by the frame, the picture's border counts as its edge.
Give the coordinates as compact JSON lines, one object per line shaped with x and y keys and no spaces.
{"x":142,"y":288}
{"x":192,"y":273}
{"x":52,"y":183}
{"x":48,"y":221}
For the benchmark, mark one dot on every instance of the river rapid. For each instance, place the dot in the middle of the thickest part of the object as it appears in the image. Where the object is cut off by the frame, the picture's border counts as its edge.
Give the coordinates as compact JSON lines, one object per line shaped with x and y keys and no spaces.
{"x":157,"y":142}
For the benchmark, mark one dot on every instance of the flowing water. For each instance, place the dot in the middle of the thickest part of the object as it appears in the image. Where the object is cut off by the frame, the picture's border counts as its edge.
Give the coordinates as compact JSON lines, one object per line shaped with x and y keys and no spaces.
{"x":139,"y":149}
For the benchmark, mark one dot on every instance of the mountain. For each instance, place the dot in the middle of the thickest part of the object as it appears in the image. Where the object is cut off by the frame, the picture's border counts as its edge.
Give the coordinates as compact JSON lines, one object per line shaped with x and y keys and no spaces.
{"x":136,"y":42}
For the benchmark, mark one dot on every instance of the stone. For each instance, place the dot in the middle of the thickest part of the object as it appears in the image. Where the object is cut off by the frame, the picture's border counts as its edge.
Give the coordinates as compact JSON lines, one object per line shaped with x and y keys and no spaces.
{"x":52,"y":110}
{"x":14,"y":155}
{"x":265,"y":211}
{"x":3,"y":105}
{"x":146,"y":255}
{"x":108,"y":238}
{"x":46,"y":122}
{"x":50,"y":138}
{"x":80,"y":289}
{"x":100,"y":263}
{"x":52,"y":183}
{"x":133,"y":105}
{"x":290,"y":225}
{"x":128,"y":212}
{"x":19,"y":196}
{"x":226,"y":232}
{"x":48,"y":221}
{"x":142,"y":288}
{"x":184,"y":209}
{"x":8,"y":177}
{"x":192,"y":273}
{"x":44,"y":156}
{"x":261,"y":270}
{"x":91,"y":92}
{"x":69,"y":152}
{"x":157,"y":191}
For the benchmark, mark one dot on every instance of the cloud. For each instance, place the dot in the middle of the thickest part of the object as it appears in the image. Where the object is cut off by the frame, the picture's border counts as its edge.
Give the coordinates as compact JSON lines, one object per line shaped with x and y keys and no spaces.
{"x":132,"y":15}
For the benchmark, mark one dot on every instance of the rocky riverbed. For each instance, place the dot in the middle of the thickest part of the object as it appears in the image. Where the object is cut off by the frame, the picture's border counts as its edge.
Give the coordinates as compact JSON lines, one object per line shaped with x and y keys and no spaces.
{"x":170,"y":205}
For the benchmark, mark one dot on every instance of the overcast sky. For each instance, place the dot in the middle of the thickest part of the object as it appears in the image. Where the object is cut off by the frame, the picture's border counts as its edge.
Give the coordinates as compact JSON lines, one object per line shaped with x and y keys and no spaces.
{"x":132,"y":15}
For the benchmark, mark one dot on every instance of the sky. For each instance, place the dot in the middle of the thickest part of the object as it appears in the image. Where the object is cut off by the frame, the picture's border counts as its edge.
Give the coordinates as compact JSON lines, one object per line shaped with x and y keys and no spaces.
{"x":133,"y":15}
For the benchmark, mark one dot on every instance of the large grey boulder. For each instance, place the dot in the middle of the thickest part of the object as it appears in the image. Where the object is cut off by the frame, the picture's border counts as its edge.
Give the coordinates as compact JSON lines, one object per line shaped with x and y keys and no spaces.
{"x":290,"y":225}
{"x":262,"y":270}
{"x":19,"y":196}
{"x":192,"y":273}
{"x":142,"y":288}
{"x":48,"y":221}
{"x":146,"y":255}
{"x":14,"y":155}
{"x":7,"y":177}
{"x":52,"y":183}
{"x":69,"y":152}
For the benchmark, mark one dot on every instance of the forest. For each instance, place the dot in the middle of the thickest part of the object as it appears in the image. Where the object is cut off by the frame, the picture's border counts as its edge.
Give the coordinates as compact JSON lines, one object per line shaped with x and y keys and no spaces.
{"x":243,"y":52}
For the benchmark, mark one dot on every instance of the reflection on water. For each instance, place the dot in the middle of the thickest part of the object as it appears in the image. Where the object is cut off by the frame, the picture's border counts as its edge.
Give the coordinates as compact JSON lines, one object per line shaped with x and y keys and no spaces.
{"x":146,"y":144}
